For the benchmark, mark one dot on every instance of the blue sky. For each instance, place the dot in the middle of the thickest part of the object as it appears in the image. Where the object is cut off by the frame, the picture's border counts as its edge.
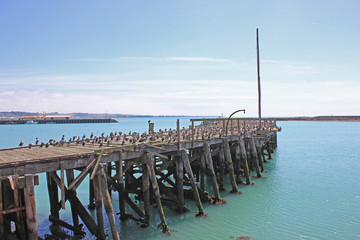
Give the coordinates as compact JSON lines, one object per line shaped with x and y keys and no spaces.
{"x":180,"y":57}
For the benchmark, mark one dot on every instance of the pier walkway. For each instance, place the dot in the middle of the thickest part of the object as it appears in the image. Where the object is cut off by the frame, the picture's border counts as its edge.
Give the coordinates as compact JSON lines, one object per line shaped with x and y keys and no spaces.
{"x":161,"y":168}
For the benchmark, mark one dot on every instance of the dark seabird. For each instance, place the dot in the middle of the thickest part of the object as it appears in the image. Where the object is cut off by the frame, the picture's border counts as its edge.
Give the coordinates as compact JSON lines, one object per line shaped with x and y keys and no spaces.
{"x":21,"y":143}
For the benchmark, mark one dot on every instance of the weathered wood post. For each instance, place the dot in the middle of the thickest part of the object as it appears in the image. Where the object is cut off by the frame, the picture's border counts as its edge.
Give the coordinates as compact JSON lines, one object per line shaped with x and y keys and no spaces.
{"x":259,"y":155}
{"x":109,"y":172}
{"x":53,"y":196}
{"x":70,"y":178}
{"x":150,"y":162}
{"x":30,"y":207}
{"x":268,"y":149}
{"x":99,"y":207}
{"x":190,"y":174}
{"x":202,"y":172}
{"x":146,"y":189}
{"x":20,"y":228}
{"x":256,"y":161}
{"x":180,"y":182}
{"x":221,"y":167}
{"x":91,"y":205}
{"x":107,"y":201}
{"x":229,"y":165}
{"x":244,"y":159}
{"x":210,"y":167}
{"x":120,"y":180}
{"x":237,"y":163}
{"x":151,"y":127}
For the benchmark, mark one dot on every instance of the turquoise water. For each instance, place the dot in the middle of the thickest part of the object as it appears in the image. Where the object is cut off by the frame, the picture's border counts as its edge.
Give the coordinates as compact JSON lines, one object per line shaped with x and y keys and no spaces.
{"x":311,"y":189}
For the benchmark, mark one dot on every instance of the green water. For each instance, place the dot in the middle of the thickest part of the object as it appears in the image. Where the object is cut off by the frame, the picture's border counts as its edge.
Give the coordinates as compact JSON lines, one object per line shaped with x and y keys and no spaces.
{"x":311,"y":190}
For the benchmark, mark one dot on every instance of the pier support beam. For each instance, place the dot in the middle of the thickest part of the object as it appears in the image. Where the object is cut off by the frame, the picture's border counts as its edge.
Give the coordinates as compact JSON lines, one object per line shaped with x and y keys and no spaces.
{"x":53,"y":196}
{"x":146,"y":191}
{"x":190,"y":174}
{"x":255,"y":155}
{"x":70,"y":178}
{"x":120,"y":180}
{"x":221,"y":163}
{"x":230,"y":167}
{"x":180,"y":182}
{"x":103,"y":188}
{"x":151,"y":170}
{"x":244,"y":159}
{"x":211,"y":173}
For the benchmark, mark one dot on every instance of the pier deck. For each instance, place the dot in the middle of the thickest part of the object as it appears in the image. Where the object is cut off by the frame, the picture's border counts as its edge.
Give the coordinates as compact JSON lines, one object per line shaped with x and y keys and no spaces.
{"x":189,"y":155}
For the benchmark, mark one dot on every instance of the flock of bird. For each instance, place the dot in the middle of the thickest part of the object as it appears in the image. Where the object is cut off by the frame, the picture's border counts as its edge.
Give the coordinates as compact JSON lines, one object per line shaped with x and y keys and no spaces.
{"x":168,"y":136}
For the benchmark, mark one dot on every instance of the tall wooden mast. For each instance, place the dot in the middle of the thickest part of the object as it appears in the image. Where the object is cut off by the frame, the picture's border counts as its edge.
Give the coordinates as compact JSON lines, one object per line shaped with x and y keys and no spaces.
{"x":258,"y":74}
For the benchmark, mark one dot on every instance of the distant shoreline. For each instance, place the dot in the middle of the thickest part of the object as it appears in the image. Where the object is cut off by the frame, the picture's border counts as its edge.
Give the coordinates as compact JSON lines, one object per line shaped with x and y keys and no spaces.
{"x":322,"y":119}
{"x":14,"y":115}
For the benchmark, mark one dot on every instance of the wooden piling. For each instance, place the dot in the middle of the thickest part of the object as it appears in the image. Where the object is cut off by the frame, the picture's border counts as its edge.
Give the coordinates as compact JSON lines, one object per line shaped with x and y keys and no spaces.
{"x":151,"y":170}
{"x":202,"y":172}
{"x":230,"y":167}
{"x":244,"y":159}
{"x":20,"y":228}
{"x":109,"y":172}
{"x":190,"y":174}
{"x":259,"y":156}
{"x":146,"y":190}
{"x":180,"y":182}
{"x":255,"y":155}
{"x":211,"y":172}
{"x":120,"y":180}
{"x":99,"y":207}
{"x":268,"y":149}
{"x":221,"y":168}
{"x":91,"y":205}
{"x":30,"y":207}
{"x":107,"y":201}
{"x":53,"y":196}
{"x":70,"y":178}
{"x":62,"y":186}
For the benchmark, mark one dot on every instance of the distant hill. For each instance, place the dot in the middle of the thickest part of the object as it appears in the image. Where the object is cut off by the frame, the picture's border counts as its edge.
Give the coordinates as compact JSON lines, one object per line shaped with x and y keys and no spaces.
{"x":15,"y":114}
{"x":322,"y":118}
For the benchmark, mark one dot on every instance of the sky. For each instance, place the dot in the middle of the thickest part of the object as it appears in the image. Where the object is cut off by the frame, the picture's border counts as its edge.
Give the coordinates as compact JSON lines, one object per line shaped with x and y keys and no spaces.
{"x":168,"y":57}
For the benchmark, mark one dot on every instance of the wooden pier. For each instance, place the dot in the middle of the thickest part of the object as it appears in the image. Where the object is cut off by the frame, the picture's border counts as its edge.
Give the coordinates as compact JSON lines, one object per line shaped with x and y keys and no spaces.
{"x":160,"y":168}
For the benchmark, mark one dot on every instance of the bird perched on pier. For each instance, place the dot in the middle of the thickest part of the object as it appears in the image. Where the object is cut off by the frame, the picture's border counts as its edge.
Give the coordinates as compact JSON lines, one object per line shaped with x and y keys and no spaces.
{"x":21,"y":143}
{"x":30,"y":146}
{"x":37,"y":141}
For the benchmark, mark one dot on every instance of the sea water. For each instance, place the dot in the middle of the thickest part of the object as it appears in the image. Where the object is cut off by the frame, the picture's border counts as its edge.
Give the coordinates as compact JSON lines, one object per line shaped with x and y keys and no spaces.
{"x":311,"y":189}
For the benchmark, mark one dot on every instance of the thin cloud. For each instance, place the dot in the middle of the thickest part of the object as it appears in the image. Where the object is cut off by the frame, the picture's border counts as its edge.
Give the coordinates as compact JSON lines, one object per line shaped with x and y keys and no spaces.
{"x":117,"y":59}
{"x":198,"y":59}
{"x":150,"y":59}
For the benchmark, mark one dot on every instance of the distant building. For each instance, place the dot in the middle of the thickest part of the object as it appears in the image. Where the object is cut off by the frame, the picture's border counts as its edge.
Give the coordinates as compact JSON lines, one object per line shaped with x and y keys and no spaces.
{"x":57,"y":117}
{"x":32,"y":118}
{"x":46,"y":117}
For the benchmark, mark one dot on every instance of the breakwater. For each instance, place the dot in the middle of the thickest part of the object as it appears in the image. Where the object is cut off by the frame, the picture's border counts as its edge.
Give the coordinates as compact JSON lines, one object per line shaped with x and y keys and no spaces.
{"x":160,"y":168}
